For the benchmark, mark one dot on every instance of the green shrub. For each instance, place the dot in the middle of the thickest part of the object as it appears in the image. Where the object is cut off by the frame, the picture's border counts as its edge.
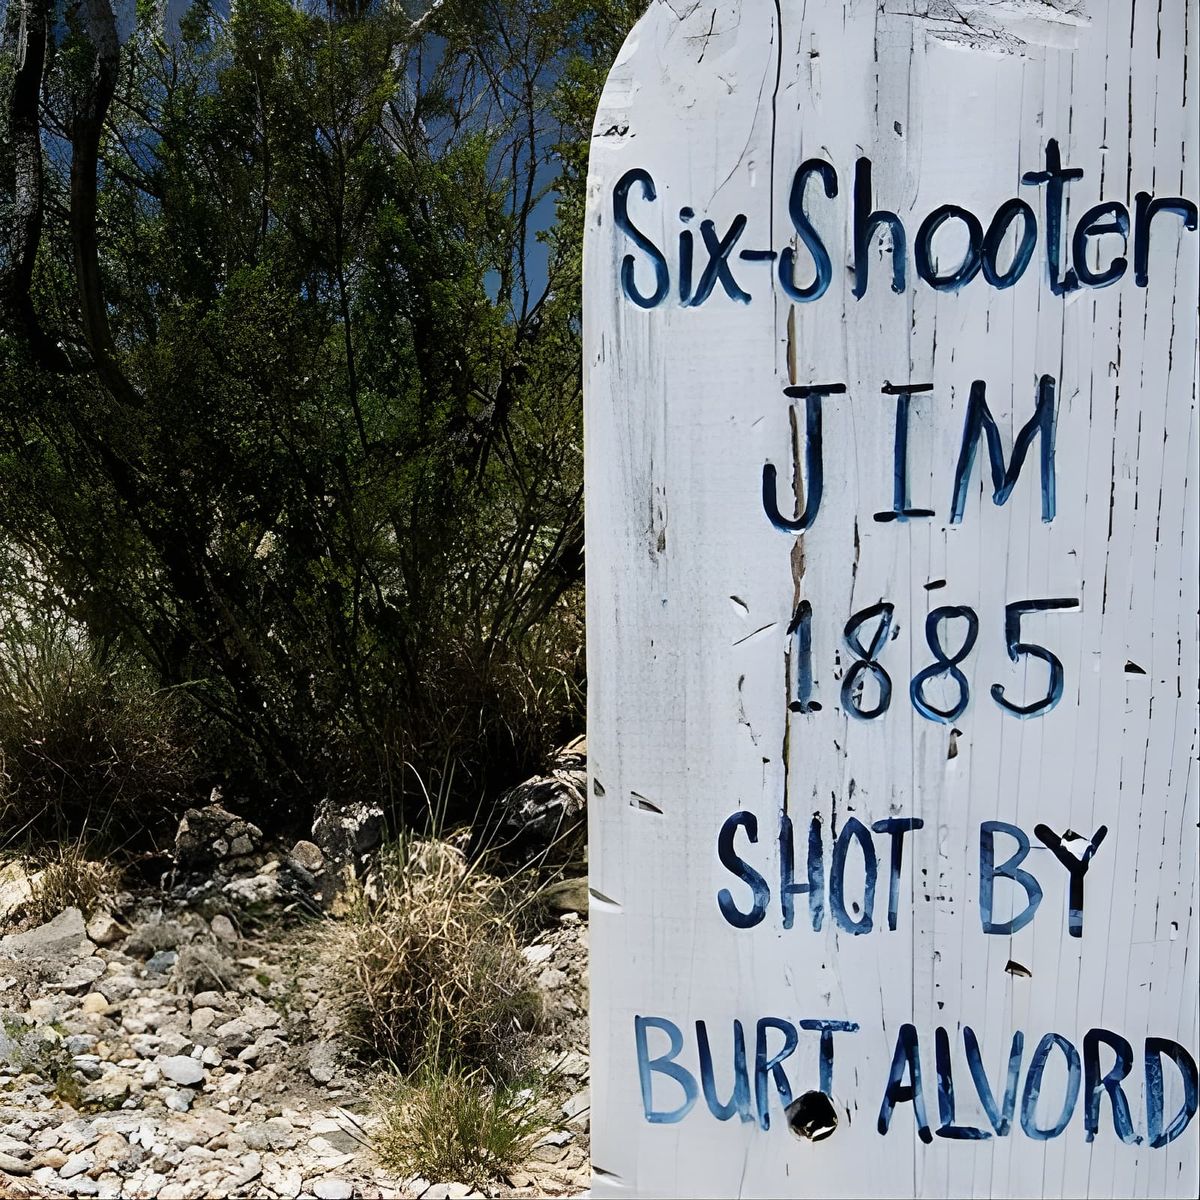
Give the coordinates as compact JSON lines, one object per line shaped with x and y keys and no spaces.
{"x":456,"y":1124}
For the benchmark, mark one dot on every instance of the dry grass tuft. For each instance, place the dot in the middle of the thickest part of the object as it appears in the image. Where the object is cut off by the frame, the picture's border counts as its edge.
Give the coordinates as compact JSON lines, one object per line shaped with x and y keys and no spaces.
{"x":426,"y":969}
{"x":455,"y":1124}
{"x":69,"y":880}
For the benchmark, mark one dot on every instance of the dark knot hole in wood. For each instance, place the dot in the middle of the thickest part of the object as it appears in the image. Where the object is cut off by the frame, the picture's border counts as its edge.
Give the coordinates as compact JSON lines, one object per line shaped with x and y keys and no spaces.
{"x":812,"y":1117}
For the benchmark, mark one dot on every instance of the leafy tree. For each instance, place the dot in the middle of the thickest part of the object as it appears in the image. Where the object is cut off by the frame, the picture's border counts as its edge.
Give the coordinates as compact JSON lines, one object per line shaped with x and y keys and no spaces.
{"x":289,"y":369}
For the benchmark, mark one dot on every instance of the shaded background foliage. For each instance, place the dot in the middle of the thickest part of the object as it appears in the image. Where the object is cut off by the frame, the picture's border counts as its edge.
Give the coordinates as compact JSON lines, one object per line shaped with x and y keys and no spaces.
{"x":290,"y":423}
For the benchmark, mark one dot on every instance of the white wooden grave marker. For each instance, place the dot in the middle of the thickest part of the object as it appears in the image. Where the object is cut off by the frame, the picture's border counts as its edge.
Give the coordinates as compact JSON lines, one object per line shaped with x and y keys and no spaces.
{"x":890,"y":325}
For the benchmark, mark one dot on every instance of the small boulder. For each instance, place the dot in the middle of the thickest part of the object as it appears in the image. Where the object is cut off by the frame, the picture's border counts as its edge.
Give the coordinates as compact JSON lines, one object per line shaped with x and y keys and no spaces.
{"x":333,"y":1189}
{"x":181,"y":1069}
{"x":104,"y":929}
{"x":346,"y":834}
{"x":323,"y":1062}
{"x":111,"y":1148}
{"x":162,"y":962}
{"x":223,"y":928}
{"x":308,"y":855}
{"x":64,"y":937}
{"x":235,"y":1035}
{"x":10,"y":1165}
{"x":202,"y":1019}
{"x":568,"y":895}
{"x":79,"y":976}
{"x":77,"y":1164}
{"x":256,"y":889}
{"x":210,"y":835}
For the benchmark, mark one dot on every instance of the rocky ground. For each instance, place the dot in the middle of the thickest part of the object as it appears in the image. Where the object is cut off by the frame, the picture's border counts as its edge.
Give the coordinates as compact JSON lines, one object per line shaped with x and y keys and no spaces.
{"x":164,"y":1050}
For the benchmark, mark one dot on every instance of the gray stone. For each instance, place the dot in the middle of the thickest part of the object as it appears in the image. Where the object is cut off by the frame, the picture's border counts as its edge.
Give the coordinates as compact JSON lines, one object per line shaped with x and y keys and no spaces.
{"x":109,"y":1090}
{"x":252,"y":1168}
{"x":260,"y":1016}
{"x":275,"y":1134}
{"x":202,"y":1019}
{"x":161,"y":962}
{"x":323,"y":1061}
{"x":83,"y":1187}
{"x":88,"y":1065}
{"x":115,"y":988}
{"x":63,"y":938}
{"x":155,"y":935}
{"x":575,"y":1065}
{"x":180,"y":1069}
{"x":208,"y":1000}
{"x":285,"y":1182}
{"x":13,"y":1166}
{"x":80,"y":976}
{"x":308,"y":855}
{"x":207,"y":835}
{"x":223,"y":928}
{"x":112,"y":1148}
{"x":235,"y":1035}
{"x":16,"y":889}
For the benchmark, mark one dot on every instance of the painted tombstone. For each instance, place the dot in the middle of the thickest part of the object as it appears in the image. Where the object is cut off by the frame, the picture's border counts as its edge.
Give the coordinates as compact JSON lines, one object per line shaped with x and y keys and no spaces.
{"x":890,"y":327}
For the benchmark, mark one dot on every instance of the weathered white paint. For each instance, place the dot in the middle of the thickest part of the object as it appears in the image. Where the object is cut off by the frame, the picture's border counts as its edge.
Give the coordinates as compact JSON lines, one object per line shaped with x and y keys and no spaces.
{"x":691,"y":589}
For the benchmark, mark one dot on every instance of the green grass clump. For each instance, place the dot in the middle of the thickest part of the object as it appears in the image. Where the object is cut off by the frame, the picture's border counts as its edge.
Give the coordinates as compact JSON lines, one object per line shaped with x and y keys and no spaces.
{"x":450,"y":1123}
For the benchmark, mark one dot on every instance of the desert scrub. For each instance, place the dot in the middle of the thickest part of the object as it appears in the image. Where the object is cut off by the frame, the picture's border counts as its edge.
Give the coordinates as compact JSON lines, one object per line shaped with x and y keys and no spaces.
{"x":425,"y":972}
{"x":69,"y":879}
{"x":447,"y":1123}
{"x":89,"y":747}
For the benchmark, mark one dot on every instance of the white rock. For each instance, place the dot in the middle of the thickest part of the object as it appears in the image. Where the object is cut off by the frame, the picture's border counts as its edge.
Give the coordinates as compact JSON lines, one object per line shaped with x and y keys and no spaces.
{"x":285,"y":1183}
{"x":177,"y":1099}
{"x":180,"y":1069}
{"x":333,"y":1189}
{"x":537,"y":954}
{"x":76,"y":1165}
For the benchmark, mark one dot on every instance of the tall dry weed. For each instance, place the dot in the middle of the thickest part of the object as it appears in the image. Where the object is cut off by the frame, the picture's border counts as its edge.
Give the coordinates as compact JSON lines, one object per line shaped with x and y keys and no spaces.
{"x":426,"y":970}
